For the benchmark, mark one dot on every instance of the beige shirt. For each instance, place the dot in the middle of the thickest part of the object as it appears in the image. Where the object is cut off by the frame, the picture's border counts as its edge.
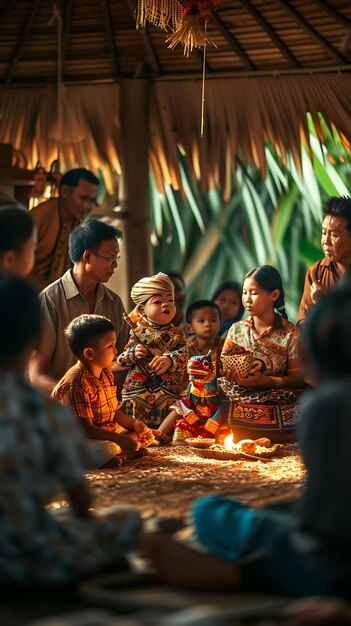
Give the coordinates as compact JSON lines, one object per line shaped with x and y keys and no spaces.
{"x":61,"y":303}
{"x":51,"y":257}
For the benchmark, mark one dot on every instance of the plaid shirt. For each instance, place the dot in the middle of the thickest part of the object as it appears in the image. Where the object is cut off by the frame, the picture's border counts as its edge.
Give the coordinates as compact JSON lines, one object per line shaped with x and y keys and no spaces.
{"x":93,"y":399}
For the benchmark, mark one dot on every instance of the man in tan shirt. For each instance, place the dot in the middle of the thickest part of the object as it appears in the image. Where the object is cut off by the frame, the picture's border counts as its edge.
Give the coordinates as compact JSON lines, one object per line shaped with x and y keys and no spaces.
{"x":55,"y":220}
{"x":94,"y":251}
{"x":336,"y":245}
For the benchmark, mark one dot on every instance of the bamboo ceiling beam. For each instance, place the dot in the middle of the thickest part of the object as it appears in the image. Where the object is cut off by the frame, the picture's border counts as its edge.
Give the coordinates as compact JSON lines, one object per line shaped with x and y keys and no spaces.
{"x":300,"y":20}
{"x":324,"y":4}
{"x":147,"y":43}
{"x":65,"y":32}
{"x":214,"y":75}
{"x":110,"y":38}
{"x":233,"y":42}
{"x":270,"y":32}
{"x":22,"y":41}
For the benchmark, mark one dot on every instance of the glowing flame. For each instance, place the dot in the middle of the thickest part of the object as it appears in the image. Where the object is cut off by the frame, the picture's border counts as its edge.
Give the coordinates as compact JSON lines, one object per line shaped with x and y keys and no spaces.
{"x":228,"y":443}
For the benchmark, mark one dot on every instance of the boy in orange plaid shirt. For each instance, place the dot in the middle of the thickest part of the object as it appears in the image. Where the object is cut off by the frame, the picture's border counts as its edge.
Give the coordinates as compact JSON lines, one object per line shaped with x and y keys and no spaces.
{"x":89,"y":386}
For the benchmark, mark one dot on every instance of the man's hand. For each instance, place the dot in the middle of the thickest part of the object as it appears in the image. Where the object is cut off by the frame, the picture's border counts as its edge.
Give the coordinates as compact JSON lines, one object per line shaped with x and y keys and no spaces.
{"x":316,"y":291}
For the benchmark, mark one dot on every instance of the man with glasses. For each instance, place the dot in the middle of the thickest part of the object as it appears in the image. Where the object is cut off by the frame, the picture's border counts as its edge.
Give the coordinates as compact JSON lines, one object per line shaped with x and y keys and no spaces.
{"x":94,"y":251}
{"x":55,"y":220}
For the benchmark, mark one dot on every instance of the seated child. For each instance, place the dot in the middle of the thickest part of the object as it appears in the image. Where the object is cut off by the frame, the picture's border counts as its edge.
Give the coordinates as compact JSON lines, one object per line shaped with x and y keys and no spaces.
{"x":203,"y":321}
{"x":18,"y":238}
{"x":228,"y":297}
{"x":41,"y":451}
{"x":261,"y":402}
{"x":156,"y":354}
{"x":305,"y":551}
{"x":89,"y":386}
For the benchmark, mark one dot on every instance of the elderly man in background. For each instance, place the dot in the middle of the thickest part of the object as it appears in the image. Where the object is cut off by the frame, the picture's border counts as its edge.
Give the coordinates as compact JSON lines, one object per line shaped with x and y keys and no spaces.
{"x":56,"y":218}
{"x":336,"y":245}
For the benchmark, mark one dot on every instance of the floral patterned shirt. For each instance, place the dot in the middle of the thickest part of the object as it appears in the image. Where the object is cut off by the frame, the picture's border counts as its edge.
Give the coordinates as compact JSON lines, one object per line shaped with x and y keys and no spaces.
{"x":272,"y":349}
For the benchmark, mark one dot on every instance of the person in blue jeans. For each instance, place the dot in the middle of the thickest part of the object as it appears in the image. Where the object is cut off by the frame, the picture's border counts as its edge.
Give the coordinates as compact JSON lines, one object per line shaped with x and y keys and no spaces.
{"x":307,"y":550}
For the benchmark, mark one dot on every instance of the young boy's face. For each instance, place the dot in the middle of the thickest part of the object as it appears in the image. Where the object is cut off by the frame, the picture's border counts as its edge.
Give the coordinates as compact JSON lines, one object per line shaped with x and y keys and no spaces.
{"x":159,"y":309}
{"x":104,"y":350}
{"x":205,"y":323}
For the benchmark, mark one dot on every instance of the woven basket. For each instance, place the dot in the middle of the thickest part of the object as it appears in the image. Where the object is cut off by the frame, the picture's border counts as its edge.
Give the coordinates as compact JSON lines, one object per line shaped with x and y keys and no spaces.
{"x":240,"y":364}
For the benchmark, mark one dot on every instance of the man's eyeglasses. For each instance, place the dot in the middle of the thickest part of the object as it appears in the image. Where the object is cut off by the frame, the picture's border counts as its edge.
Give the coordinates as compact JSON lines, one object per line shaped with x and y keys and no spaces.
{"x":110,"y":259}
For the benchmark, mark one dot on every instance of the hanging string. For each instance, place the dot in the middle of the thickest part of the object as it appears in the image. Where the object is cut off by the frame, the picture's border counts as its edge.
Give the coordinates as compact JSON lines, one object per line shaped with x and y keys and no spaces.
{"x":58,"y":18}
{"x":203,"y":88}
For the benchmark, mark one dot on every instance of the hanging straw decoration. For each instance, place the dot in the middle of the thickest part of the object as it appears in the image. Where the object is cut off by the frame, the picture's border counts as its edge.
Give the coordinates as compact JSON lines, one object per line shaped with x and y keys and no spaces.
{"x":188,"y":20}
{"x":191,"y":33}
{"x":166,"y":14}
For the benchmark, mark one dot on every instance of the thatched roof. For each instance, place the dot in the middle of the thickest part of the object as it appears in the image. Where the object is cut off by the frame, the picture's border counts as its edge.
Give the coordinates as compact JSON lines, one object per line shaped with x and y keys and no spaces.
{"x":275,"y":60}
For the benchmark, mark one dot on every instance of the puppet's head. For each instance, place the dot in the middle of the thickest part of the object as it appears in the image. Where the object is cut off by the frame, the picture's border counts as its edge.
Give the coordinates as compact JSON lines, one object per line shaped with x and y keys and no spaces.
{"x":201,"y":368}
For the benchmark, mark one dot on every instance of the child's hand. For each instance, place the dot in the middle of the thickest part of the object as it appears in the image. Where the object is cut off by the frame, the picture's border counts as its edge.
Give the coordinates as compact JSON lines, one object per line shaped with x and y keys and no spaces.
{"x":161,"y":364}
{"x":145,"y":434}
{"x":255,"y":379}
{"x":229,"y":375}
{"x":141,"y":352}
{"x":126,"y":443}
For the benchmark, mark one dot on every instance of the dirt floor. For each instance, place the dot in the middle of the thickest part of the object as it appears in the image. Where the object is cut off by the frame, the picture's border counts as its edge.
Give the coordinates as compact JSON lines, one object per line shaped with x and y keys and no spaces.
{"x":167,"y":480}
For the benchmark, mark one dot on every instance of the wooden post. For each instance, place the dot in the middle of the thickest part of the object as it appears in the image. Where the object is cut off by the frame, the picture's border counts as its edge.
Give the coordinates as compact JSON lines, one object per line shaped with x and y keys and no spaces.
{"x":135,"y":167}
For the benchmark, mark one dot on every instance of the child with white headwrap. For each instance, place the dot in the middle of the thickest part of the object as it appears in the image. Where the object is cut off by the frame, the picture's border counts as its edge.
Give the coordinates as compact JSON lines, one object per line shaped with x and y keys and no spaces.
{"x":158,"y":342}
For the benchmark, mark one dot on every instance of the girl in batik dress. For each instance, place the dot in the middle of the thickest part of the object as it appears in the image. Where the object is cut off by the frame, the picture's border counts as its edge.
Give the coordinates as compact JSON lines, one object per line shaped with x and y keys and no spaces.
{"x":262,"y":403}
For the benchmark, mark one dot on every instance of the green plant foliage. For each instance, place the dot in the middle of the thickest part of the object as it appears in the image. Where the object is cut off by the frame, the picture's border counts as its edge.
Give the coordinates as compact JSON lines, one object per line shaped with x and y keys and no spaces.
{"x":276,"y":220}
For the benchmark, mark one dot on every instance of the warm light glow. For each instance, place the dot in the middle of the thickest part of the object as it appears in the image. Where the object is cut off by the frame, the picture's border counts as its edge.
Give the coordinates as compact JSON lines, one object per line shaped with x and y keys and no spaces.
{"x":228,"y":443}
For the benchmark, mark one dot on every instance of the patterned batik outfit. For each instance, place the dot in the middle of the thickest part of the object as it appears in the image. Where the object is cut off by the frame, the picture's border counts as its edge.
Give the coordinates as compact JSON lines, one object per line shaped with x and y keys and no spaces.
{"x":41,"y":450}
{"x":272,"y":410}
{"x":153,"y":406}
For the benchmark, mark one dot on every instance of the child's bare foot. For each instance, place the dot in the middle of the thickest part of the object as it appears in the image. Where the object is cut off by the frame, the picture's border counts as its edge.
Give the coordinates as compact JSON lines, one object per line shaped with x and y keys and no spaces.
{"x":114,"y":463}
{"x":180,"y":566}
